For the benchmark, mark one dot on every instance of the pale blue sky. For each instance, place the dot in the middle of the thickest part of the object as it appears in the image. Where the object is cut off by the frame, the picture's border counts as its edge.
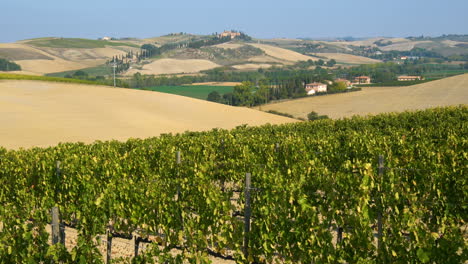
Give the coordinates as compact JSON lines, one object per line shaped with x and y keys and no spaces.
{"x":23,"y":19}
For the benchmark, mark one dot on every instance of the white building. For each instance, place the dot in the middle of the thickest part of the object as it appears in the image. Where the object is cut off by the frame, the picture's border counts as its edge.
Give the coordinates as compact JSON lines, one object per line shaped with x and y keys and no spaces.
{"x":312,"y":88}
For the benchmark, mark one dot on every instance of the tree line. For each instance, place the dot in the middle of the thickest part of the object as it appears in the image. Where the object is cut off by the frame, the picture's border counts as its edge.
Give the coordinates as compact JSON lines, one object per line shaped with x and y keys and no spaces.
{"x":6,"y":65}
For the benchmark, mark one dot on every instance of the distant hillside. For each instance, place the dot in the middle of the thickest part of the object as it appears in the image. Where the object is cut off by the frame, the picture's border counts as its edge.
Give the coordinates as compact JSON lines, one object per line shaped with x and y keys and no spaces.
{"x":75,"y":43}
{"x":443,"y":46}
{"x":61,"y":56}
{"x":51,"y":55}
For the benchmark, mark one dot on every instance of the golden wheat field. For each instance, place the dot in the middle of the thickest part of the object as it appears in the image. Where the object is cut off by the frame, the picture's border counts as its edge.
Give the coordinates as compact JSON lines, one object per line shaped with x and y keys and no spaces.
{"x":171,"y":66}
{"x":43,"y":60}
{"x":35,"y":113}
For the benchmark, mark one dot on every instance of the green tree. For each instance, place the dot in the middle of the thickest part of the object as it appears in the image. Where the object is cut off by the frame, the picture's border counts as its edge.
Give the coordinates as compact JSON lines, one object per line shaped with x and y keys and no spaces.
{"x":314,"y":116}
{"x":261,"y":94}
{"x":243,"y":94}
{"x":338,"y":87}
{"x":214,"y":96}
{"x":138,"y":80}
{"x":80,"y":75}
{"x":6,"y":65}
{"x":331,"y":63}
{"x":151,"y":50}
{"x":228,"y":98}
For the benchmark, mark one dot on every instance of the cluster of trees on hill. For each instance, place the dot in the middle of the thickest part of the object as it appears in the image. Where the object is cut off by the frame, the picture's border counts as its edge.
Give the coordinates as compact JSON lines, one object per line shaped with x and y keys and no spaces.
{"x":320,"y":62}
{"x":82,"y":75}
{"x":415,"y":52}
{"x":122,"y":63}
{"x":389,"y":71}
{"x":266,"y":90}
{"x":383,"y":43}
{"x":150,"y":50}
{"x":247,"y":94}
{"x":6,"y":65}
{"x":454,"y":37}
{"x":273,"y":75}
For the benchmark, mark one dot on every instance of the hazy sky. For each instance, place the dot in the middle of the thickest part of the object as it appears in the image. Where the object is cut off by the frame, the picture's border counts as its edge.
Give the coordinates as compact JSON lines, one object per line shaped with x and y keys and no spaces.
{"x":23,"y":19}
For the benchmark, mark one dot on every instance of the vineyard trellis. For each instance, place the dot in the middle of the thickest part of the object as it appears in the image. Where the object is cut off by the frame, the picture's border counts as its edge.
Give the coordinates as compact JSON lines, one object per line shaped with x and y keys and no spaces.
{"x":323,"y":179}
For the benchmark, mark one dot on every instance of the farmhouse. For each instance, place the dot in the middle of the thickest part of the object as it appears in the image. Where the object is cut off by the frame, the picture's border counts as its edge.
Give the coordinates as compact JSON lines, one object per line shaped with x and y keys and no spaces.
{"x":347,"y":82}
{"x":362,"y":80}
{"x":409,"y":78}
{"x":231,"y":34}
{"x":106,"y":38}
{"x":409,"y":58}
{"x":312,"y":88}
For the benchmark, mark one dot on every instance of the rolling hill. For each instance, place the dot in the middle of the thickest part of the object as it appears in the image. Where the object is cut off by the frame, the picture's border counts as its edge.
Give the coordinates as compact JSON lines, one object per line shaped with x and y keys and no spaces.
{"x":50,"y":55}
{"x":172,"y":66}
{"x":58,"y":55}
{"x":35,"y":113}
{"x":375,"y":100}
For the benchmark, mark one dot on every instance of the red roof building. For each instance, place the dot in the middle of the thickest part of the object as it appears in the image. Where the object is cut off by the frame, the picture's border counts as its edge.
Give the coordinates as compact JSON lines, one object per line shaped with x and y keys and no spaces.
{"x":362,"y":80}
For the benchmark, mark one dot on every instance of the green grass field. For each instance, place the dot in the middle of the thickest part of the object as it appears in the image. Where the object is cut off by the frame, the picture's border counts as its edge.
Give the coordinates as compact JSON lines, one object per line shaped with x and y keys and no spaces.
{"x":101,"y":70}
{"x":443,"y":73}
{"x":194,"y":91}
{"x":396,"y":83}
{"x":8,"y":76}
{"x":76,"y":43}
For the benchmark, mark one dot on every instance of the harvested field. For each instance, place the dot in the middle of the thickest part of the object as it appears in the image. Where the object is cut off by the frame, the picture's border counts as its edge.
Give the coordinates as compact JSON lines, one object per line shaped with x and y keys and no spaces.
{"x":34,"y":113}
{"x":347,"y":58}
{"x":375,"y":100}
{"x":403,"y":46}
{"x":43,"y":60}
{"x":16,"y":54}
{"x":251,"y":66}
{"x":267,"y":59}
{"x":87,"y":54}
{"x":283,"y":54}
{"x":171,"y":66}
{"x":229,"y":45}
{"x":50,"y":66}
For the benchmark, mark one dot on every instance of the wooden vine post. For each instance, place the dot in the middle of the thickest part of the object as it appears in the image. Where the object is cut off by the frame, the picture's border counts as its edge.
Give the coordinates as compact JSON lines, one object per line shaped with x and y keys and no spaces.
{"x":339,"y":236}
{"x":58,"y":232}
{"x":109,"y":246}
{"x":136,"y":243}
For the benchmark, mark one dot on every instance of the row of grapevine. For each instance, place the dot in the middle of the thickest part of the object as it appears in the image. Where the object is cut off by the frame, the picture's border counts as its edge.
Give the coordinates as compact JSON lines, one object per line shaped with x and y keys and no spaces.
{"x":308,"y":180}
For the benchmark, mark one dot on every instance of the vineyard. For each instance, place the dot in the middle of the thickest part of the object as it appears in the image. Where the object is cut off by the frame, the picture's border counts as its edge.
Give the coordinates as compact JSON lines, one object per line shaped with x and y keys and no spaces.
{"x":385,"y":189}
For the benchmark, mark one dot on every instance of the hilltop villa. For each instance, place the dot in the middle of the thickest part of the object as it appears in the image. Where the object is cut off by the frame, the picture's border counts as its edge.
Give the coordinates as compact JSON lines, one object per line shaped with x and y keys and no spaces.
{"x":231,"y":34}
{"x":312,"y":88}
{"x":410,"y":78}
{"x":362,"y":80}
